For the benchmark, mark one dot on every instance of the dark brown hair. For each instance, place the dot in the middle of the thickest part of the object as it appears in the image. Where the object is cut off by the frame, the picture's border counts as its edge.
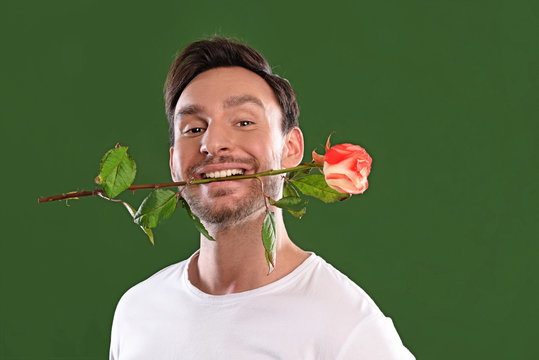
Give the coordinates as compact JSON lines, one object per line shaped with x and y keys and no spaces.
{"x":221,"y":52}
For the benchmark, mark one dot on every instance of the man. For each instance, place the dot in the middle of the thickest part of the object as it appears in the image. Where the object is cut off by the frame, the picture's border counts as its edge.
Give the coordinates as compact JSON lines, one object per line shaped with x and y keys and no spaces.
{"x":230,"y":115}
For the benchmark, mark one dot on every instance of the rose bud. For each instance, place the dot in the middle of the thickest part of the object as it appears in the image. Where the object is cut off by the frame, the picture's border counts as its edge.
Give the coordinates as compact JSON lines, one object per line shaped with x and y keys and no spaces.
{"x":346,"y":167}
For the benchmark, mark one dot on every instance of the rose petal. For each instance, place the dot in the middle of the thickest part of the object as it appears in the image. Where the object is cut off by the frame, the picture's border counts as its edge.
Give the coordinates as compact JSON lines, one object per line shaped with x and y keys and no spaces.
{"x":346,"y":168}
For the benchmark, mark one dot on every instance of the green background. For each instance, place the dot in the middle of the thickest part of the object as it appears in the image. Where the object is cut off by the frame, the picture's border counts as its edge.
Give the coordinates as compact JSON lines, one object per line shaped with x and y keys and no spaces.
{"x":443,"y":95}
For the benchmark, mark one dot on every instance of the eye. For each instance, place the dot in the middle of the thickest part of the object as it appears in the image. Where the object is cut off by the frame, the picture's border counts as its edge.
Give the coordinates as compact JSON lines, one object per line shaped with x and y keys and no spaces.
{"x":244,"y":123}
{"x":194,"y":131}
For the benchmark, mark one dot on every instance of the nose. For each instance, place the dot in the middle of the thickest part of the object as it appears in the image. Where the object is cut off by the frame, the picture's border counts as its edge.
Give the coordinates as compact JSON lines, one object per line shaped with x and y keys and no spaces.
{"x":216,"y":140}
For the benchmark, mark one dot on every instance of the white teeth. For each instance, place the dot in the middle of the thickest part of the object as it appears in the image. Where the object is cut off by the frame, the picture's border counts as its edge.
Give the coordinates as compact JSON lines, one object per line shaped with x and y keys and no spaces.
{"x":223,"y":173}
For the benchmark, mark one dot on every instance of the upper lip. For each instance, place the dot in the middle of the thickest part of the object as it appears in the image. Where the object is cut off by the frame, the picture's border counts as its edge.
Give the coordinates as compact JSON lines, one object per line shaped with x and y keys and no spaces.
{"x":224,"y":166}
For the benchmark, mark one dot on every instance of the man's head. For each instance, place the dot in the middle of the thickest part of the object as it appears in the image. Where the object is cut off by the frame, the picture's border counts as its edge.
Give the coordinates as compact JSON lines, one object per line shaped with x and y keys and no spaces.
{"x":228,"y":120}
{"x":204,"y":55}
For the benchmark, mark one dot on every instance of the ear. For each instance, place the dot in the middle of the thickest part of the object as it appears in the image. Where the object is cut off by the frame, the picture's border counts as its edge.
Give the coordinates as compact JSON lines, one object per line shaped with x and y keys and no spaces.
{"x":293,"y":148}
{"x":172,"y":164}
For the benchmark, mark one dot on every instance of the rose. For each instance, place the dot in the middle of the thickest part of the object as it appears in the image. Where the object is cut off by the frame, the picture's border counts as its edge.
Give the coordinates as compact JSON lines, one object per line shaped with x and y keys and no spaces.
{"x":346,"y":167}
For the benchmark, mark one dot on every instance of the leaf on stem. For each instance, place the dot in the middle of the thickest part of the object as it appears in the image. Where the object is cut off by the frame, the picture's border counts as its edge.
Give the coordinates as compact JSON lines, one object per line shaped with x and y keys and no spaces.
{"x":299,"y":173}
{"x":160,"y":204}
{"x":289,"y":189}
{"x":295,"y":205}
{"x":201,"y":229}
{"x":269,"y":237}
{"x":117,"y":171}
{"x":132,"y":212}
{"x":316,"y":186}
{"x":146,"y":230}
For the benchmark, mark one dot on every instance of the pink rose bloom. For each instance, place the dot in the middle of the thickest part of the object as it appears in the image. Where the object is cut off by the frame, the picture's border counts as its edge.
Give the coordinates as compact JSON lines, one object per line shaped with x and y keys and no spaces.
{"x":346,"y":167}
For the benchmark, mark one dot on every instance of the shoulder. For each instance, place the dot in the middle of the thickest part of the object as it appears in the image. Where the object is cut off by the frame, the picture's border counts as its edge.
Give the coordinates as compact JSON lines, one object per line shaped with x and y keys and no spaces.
{"x":334,"y":286}
{"x":154,"y":285}
{"x":367,"y":330}
{"x":339,"y":303}
{"x":374,"y":338}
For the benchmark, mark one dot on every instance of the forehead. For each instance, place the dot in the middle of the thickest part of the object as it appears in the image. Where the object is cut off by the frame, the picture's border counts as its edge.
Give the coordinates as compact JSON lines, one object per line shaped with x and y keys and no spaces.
{"x":212,"y":88}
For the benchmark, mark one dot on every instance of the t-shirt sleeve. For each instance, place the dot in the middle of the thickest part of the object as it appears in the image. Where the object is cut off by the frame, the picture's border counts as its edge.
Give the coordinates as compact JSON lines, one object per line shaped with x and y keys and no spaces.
{"x":374,"y":338}
{"x":114,"y":338}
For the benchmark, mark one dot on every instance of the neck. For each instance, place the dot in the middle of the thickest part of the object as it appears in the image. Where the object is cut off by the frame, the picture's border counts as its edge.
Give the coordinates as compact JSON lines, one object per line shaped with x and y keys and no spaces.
{"x":236,"y":262}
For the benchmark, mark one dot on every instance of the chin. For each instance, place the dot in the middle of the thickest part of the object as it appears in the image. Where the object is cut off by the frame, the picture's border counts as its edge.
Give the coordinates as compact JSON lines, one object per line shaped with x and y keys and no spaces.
{"x":229,"y":215}
{"x":225,"y":209}
{"x":228,"y":207}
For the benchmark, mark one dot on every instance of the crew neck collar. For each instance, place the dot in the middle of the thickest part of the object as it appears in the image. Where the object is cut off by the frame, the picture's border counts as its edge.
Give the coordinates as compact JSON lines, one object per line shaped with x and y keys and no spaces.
{"x":284,"y":281}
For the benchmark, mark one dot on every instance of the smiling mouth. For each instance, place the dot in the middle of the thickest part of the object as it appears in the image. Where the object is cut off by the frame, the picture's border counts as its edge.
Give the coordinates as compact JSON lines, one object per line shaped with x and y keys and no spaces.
{"x":223,"y":173}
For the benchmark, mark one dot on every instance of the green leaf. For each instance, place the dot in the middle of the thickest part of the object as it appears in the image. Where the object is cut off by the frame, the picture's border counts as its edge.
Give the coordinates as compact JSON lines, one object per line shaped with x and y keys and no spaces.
{"x":201,"y":229}
{"x":316,"y":186}
{"x":132,"y":212}
{"x":293,"y":204}
{"x":117,"y":171}
{"x":146,"y":230}
{"x":269,"y":237}
{"x":298,"y":214}
{"x":160,"y":204}
{"x":289,"y":189}
{"x":290,"y":203}
{"x":299,"y":173}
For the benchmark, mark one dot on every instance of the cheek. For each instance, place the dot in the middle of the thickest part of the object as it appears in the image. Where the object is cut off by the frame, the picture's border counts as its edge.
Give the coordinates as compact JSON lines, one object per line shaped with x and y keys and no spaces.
{"x":176,"y":166}
{"x":268,"y":151}
{"x":259,"y":152}
{"x":255,"y":143}
{"x":183,"y":158}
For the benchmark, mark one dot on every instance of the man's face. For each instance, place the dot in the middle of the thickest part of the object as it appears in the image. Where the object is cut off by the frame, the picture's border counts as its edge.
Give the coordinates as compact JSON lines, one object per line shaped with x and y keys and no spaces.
{"x":227,"y":121}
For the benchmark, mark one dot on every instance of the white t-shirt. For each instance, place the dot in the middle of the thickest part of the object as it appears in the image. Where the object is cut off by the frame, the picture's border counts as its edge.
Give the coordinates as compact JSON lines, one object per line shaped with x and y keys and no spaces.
{"x":315,"y":312}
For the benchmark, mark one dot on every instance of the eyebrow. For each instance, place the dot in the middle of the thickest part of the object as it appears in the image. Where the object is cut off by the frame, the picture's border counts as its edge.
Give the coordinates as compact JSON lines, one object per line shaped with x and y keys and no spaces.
{"x":243,"y":99}
{"x":190,"y":110}
{"x":232,"y":101}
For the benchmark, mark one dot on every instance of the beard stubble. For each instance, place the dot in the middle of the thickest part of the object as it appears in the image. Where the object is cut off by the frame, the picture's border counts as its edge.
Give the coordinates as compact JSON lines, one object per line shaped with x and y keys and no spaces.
{"x":234,"y":212}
